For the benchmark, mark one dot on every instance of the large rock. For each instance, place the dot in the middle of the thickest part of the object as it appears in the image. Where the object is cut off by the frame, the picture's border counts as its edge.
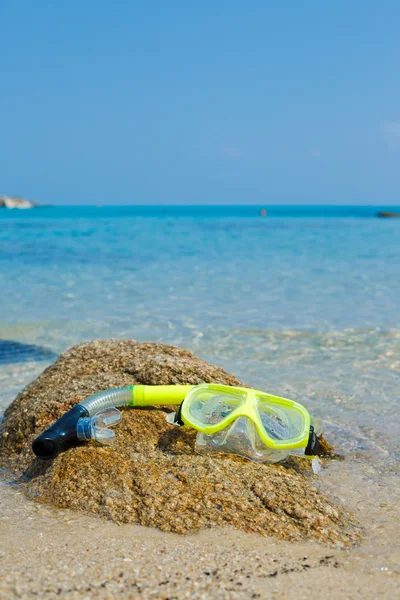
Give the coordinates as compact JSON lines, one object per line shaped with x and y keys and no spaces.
{"x":15,"y":202}
{"x":151,"y":475}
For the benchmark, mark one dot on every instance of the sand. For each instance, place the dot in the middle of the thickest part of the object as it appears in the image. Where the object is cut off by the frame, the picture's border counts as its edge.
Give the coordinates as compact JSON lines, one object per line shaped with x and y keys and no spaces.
{"x":49,"y":553}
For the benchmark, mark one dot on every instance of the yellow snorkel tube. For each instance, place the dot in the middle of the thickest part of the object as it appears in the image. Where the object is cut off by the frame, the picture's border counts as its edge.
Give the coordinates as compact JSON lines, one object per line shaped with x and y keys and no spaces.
{"x":251,"y":423}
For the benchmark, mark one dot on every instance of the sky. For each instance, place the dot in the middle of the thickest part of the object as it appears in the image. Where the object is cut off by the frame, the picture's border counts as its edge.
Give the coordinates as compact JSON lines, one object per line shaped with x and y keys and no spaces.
{"x":211,"y":102}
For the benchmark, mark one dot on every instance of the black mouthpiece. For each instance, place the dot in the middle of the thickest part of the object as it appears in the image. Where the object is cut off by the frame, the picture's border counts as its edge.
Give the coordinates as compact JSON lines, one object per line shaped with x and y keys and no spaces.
{"x":61,"y":435}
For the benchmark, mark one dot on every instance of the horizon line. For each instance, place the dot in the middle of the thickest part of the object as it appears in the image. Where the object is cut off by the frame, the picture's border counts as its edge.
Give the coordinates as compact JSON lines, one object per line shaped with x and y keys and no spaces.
{"x":266,"y":206}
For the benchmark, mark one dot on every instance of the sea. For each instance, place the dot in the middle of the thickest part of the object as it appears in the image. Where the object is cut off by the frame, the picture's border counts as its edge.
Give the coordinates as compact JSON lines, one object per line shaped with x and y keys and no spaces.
{"x":303,"y":302}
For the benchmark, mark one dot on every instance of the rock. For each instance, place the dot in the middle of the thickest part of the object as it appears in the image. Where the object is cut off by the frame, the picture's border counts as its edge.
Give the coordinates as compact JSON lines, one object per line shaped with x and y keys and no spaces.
{"x":14,"y":202}
{"x":388,"y":215}
{"x":151,"y":475}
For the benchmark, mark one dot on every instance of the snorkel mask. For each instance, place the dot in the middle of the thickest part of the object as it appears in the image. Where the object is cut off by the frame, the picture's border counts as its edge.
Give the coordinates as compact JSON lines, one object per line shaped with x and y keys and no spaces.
{"x":234,"y":420}
{"x":252,"y":424}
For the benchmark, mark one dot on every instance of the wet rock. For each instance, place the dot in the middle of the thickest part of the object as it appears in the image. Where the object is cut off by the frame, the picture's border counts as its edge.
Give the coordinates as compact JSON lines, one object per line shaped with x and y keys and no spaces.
{"x":151,"y":475}
{"x":17,"y":352}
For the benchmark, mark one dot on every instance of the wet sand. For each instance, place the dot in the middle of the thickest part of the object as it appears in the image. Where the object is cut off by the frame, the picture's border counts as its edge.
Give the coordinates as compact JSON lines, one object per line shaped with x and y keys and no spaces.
{"x":48,"y":553}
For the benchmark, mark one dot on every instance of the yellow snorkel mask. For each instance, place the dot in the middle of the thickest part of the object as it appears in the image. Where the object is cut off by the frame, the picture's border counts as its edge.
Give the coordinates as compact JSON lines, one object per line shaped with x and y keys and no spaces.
{"x":253,"y":424}
{"x":235,"y":420}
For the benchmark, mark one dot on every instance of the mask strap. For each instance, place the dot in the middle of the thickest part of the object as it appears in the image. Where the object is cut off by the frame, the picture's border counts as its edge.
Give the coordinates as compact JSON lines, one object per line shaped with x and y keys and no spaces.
{"x":178,"y":417}
{"x":313,"y":446}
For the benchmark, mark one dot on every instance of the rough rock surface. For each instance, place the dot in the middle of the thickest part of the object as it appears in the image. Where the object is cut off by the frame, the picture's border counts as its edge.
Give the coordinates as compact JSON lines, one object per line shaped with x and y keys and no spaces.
{"x":151,"y":475}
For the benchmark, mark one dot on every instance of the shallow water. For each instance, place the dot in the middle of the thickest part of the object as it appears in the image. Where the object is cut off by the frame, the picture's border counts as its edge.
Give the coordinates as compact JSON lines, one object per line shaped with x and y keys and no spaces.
{"x":299,"y":305}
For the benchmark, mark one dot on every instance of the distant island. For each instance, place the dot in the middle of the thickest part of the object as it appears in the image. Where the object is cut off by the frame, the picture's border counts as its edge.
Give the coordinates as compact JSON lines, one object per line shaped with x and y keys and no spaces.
{"x":15,"y":202}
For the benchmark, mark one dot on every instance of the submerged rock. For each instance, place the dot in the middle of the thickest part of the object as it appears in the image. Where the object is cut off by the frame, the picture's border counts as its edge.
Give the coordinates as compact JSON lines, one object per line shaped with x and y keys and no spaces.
{"x":151,"y":475}
{"x":388,"y":215}
{"x":17,"y":352}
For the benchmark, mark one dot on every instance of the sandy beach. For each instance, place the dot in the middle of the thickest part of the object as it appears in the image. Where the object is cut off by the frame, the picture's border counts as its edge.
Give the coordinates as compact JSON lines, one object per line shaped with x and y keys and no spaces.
{"x":48,"y":553}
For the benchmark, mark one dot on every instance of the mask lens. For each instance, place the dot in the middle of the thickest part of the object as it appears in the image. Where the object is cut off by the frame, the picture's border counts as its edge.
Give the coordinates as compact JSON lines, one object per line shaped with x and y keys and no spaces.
{"x":210,"y":406}
{"x":283,"y":423}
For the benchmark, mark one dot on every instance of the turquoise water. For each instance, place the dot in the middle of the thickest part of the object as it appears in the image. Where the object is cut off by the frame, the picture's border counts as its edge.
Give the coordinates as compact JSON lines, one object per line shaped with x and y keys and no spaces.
{"x":304,"y":302}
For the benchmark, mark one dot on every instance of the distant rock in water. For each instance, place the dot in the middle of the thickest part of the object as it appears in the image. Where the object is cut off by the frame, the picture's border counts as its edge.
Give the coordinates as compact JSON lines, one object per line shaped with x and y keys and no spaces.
{"x":15,"y":202}
{"x":388,"y":215}
{"x":16,"y":352}
{"x":151,"y":474}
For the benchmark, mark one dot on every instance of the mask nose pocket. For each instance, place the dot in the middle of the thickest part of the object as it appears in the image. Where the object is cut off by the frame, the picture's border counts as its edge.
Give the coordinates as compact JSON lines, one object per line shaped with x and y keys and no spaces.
{"x":241,"y":438}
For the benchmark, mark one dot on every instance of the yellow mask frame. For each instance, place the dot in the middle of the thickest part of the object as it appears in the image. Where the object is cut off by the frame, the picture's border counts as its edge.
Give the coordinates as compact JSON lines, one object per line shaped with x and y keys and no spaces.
{"x":248,"y":403}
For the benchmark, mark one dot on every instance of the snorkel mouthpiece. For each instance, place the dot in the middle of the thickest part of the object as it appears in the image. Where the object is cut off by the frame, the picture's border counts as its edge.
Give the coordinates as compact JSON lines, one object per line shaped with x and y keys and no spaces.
{"x":61,"y":435}
{"x":96,"y":428}
{"x":76,"y":426}
{"x":87,"y":420}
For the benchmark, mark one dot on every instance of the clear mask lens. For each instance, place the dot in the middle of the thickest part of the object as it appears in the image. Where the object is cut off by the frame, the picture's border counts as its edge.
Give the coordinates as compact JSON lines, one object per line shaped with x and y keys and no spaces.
{"x":209,"y":407}
{"x":280,"y":422}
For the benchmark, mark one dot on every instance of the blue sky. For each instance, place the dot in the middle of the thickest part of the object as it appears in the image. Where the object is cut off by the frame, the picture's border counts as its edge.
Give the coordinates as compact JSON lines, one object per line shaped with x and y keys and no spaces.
{"x":212,"y":102}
